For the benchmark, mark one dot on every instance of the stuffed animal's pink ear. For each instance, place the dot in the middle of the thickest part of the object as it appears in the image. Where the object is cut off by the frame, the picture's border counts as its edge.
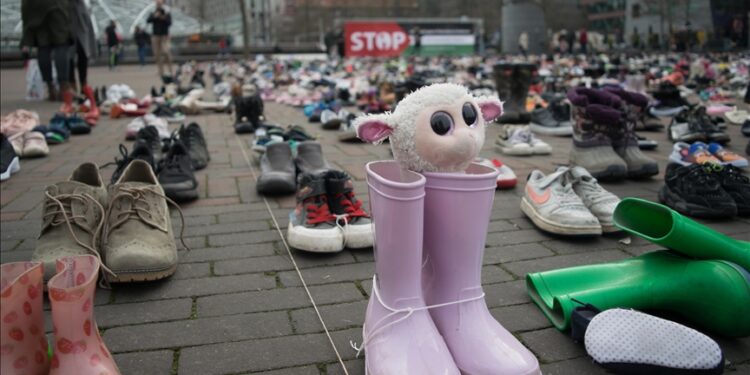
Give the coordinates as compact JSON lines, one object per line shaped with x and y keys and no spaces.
{"x":373,"y":128}
{"x":491,"y":108}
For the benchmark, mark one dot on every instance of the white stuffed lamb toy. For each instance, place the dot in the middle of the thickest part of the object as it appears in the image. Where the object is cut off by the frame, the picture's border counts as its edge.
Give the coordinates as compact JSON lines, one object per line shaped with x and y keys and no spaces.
{"x":437,"y":128}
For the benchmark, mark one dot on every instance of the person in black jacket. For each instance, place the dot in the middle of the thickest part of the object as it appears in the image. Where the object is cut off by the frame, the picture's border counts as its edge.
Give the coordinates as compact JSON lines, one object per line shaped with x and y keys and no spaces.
{"x":141,"y":38}
{"x":161,"y":20}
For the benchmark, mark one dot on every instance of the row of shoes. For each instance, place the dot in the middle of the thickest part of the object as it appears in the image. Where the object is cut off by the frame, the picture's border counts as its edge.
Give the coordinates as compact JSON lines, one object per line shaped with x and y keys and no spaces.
{"x":174,"y":159}
{"x":699,"y":153}
{"x":708,"y":190}
{"x":569,"y":201}
{"x":126,"y":226}
{"x":328,"y":216}
{"x":604,"y":139}
{"x":696,"y":125}
{"x":78,"y":346}
{"x":519,"y":140}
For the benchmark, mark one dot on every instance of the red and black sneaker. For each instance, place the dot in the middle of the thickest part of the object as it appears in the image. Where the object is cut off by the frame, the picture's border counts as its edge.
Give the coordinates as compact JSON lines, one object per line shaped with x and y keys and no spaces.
{"x":348,"y":210}
{"x":312,"y":226}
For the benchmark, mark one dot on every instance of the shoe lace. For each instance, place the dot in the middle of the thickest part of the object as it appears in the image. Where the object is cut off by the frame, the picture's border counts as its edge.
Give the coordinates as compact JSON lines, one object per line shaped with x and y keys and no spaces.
{"x":318,"y":211}
{"x":120,"y":162}
{"x":407,"y":312}
{"x":138,"y":195}
{"x":59,"y":209}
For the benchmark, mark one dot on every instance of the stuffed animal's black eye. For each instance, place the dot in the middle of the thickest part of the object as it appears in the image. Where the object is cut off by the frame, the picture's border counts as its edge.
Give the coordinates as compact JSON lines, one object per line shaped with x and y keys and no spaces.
{"x":469,"y":114}
{"x":441,"y":123}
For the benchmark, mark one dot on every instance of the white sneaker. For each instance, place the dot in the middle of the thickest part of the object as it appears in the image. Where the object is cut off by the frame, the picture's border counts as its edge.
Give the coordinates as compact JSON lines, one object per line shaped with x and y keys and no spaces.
{"x":131,"y":130}
{"x":538,"y":147}
{"x":506,"y":179}
{"x":159,"y":123}
{"x":553,"y":206}
{"x":600,"y":202}
{"x":514,"y":141}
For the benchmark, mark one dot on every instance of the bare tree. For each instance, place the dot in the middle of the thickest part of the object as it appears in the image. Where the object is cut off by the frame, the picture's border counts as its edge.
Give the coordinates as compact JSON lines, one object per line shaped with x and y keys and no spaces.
{"x":245,"y":30}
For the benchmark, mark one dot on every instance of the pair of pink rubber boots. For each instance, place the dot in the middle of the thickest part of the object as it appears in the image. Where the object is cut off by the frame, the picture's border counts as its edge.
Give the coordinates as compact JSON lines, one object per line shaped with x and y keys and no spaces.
{"x":78,"y":348}
{"x":427,"y":313}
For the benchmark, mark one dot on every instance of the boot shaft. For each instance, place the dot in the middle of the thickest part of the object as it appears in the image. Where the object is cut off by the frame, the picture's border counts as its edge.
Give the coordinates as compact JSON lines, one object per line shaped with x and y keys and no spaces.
{"x":22,"y":340}
{"x":397,"y":209}
{"x":457,"y":213}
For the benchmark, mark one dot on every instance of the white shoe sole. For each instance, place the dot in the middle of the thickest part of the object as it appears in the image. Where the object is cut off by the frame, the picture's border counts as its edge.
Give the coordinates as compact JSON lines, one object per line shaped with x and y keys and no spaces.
{"x":561,"y":131}
{"x":553,"y":227}
{"x":14,"y":167}
{"x":315,"y":240}
{"x":358,"y":236}
{"x":541,"y":150}
{"x":518,"y":151}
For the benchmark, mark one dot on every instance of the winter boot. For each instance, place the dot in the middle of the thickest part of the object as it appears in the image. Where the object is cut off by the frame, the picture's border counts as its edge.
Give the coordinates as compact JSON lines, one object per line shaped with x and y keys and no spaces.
{"x":456,"y":216}
{"x":72,"y":216}
{"x":399,"y":336}
{"x":664,"y":226}
{"x":248,"y":109}
{"x":624,"y":140}
{"x":92,"y":116}
{"x":712,"y":294}
{"x":348,"y":210}
{"x":594,"y":119}
{"x":67,"y":96}
{"x":512,"y":82}
{"x":78,"y":347}
{"x":23,"y":344}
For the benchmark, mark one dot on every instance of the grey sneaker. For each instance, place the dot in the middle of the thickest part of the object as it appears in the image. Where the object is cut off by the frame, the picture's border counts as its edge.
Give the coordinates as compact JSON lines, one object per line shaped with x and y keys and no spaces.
{"x":348,"y":210}
{"x":71,"y":218}
{"x":551,"y":120}
{"x":277,"y":173}
{"x":138,"y":243}
{"x":312,"y":226}
{"x":310,"y":158}
{"x":552,"y":205}
{"x":600,"y":202}
{"x":514,"y":140}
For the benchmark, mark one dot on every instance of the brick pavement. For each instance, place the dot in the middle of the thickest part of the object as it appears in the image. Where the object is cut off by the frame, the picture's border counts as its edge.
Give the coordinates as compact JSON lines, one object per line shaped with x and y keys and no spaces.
{"x":236,"y":304}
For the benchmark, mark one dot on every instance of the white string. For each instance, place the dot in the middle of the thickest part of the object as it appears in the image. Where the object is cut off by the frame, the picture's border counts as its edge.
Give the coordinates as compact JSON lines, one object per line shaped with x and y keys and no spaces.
{"x":291,"y":258}
{"x":409,"y":311}
{"x":345,"y":217}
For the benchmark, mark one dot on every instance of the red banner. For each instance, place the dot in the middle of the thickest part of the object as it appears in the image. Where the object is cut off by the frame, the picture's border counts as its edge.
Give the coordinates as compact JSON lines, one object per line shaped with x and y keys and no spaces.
{"x":384,"y":39}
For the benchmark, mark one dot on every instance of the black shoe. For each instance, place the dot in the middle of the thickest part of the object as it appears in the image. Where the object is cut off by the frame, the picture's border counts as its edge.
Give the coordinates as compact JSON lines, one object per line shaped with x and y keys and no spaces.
{"x":686,"y":128}
{"x":709,"y":126}
{"x":249,"y":109}
{"x":192,"y":137}
{"x":150,"y":136}
{"x":141,"y":151}
{"x":78,"y":126}
{"x":738,"y":186}
{"x":746,"y":128}
{"x":8,"y":159}
{"x":695,"y":190}
{"x":646,"y":144}
{"x":669,"y":96}
{"x":176,"y":173}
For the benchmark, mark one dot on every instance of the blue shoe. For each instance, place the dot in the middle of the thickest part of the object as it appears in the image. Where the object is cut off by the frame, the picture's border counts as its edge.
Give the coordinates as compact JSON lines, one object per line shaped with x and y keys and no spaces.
{"x":57,"y":131}
{"x":78,"y":125}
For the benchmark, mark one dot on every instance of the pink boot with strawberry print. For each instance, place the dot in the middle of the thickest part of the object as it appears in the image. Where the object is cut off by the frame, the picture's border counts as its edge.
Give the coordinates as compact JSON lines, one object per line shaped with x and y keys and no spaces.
{"x":78,"y":347}
{"x":23,"y":347}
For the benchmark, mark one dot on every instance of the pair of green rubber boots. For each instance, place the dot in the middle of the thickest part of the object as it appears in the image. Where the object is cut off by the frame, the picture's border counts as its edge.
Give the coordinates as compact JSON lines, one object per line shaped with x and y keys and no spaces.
{"x":705,"y":278}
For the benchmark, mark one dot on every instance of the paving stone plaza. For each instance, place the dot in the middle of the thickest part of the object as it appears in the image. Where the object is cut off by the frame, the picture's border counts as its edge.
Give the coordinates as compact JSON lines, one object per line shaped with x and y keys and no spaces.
{"x":241,"y":302}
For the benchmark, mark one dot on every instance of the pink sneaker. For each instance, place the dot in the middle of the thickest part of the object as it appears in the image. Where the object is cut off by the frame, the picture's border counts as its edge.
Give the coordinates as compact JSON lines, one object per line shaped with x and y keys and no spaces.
{"x":506,"y":179}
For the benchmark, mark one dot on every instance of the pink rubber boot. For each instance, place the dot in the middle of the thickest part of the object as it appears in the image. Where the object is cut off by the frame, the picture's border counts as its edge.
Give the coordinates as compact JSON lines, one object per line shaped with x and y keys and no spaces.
{"x":457,"y":213}
{"x":399,"y":335}
{"x":79,"y":350}
{"x":23,"y":346}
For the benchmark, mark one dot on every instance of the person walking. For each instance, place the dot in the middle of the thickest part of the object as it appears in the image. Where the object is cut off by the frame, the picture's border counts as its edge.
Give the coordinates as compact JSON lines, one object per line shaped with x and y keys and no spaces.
{"x":161,"y":20}
{"x":141,"y":38}
{"x":113,"y":43}
{"x":46,"y":26}
{"x":84,"y":49}
{"x":583,"y":39}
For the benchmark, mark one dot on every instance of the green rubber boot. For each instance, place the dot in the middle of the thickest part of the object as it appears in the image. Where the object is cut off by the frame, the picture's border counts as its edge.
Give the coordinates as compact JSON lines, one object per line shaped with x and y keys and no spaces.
{"x":713,"y":294}
{"x":664,"y":226}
